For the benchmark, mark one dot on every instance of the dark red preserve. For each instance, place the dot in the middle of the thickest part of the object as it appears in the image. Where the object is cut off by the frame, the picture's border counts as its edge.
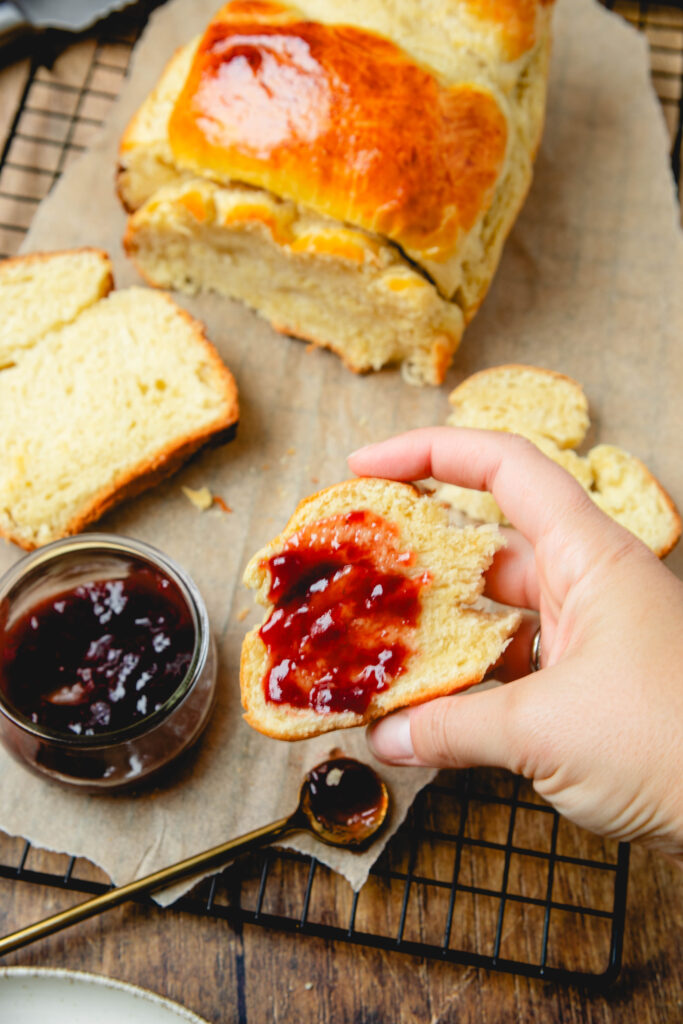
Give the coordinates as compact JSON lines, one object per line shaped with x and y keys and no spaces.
{"x":346,"y":609}
{"x":346,"y":794}
{"x":100,"y":656}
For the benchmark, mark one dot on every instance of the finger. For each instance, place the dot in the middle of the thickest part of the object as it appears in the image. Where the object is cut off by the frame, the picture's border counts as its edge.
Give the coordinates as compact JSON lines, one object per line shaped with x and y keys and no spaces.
{"x":461,"y":731}
{"x":512,"y":468}
{"x":512,"y":577}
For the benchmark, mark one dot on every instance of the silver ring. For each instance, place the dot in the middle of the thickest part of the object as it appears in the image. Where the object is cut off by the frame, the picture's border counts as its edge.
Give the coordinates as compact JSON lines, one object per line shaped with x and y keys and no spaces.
{"x":535,"y":657}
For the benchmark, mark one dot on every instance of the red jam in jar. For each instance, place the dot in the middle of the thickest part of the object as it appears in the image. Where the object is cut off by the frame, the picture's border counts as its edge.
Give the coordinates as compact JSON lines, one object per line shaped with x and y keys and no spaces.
{"x":346,"y":610}
{"x":107,"y":664}
{"x":99,"y":656}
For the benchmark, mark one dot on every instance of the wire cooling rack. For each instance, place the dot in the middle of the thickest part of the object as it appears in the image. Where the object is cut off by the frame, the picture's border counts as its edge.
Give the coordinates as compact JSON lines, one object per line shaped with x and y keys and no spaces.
{"x":482,"y":873}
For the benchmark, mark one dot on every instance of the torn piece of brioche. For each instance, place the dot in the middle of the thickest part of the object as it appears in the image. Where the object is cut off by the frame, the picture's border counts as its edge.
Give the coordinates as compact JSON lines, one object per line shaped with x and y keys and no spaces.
{"x":100,"y":408}
{"x":627,"y":491}
{"x":42,"y":291}
{"x":551,"y":410}
{"x":371,"y":606}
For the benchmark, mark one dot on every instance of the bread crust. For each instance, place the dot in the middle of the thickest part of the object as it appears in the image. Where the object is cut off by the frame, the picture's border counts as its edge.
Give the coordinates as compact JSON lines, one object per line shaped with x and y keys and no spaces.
{"x":30,"y":258}
{"x":331,"y":126}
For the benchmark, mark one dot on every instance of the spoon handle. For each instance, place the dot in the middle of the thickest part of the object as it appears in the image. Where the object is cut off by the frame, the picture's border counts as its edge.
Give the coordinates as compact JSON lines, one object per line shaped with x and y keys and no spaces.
{"x":212,"y":858}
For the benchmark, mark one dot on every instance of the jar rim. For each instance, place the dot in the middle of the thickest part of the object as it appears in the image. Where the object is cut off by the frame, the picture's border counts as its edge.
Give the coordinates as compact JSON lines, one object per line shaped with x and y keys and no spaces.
{"x":142,"y":551}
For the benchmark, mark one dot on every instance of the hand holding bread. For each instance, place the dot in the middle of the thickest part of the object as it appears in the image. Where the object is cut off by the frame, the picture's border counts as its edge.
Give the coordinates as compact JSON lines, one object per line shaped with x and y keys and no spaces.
{"x":599,"y":729}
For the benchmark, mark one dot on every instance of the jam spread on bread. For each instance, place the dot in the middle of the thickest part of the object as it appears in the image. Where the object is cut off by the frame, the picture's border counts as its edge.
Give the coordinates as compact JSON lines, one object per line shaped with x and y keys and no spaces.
{"x":346,"y":609}
{"x":100,"y":656}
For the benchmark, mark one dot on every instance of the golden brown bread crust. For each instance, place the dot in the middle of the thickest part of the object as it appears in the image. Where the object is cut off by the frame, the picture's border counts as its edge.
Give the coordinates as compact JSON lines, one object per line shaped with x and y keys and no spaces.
{"x":516,"y":21}
{"x":325,"y":115}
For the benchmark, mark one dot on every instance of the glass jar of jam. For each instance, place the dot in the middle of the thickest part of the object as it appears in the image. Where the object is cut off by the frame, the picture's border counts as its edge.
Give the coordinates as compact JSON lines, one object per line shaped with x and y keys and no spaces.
{"x":107,"y":664}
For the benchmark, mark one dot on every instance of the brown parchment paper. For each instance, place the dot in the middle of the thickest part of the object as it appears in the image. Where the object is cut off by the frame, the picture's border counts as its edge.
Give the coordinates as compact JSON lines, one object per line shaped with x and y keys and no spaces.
{"x":590,"y":284}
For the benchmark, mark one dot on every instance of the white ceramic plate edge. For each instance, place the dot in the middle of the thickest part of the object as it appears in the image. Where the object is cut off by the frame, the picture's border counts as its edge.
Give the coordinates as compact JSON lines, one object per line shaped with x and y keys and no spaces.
{"x":96,"y":983}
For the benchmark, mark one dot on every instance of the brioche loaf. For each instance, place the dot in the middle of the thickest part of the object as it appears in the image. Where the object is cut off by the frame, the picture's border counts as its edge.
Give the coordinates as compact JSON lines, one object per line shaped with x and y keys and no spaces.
{"x":365,"y":161}
{"x":371,"y":596}
{"x":106,"y":399}
{"x":551,"y":410}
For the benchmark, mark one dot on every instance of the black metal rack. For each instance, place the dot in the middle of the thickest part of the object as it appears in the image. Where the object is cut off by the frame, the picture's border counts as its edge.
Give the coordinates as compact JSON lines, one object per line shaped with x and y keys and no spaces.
{"x":453,"y":883}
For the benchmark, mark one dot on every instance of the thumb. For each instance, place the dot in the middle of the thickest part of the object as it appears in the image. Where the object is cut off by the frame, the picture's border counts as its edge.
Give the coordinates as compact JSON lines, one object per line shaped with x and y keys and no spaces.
{"x":486,"y":728}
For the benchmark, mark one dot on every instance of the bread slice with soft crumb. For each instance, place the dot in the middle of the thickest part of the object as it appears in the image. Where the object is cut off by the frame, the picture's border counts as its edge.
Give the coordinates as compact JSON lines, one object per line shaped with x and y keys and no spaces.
{"x":551,"y":410}
{"x":103,"y":407}
{"x":42,"y":291}
{"x":371,"y":600}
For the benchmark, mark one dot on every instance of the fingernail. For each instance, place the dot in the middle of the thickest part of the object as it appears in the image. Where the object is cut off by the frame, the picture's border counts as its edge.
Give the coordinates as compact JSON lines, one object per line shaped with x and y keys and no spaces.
{"x":390,"y":738}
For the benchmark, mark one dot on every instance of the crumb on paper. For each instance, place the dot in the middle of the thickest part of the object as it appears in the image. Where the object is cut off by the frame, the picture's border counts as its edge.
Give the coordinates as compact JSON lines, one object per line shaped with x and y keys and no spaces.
{"x":201,"y":498}
{"x":265,"y":466}
{"x":223,"y":505}
{"x":315,"y":479}
{"x":291,"y":451}
{"x":308,"y":986}
{"x":241,"y":616}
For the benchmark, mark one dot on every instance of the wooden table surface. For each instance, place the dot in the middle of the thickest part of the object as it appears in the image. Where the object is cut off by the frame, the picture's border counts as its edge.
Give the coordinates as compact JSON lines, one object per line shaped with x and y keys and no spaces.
{"x":252,"y":974}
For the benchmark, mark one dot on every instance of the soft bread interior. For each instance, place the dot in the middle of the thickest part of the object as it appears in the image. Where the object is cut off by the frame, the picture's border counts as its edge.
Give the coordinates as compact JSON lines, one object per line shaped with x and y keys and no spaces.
{"x":455,"y":641}
{"x":44,"y":291}
{"x":310,"y":277}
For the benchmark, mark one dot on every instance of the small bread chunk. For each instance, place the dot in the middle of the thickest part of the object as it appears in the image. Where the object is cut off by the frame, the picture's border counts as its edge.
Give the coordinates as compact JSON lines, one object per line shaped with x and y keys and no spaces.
{"x":102,"y":407}
{"x":43,"y":291}
{"x":371,"y":606}
{"x":523,"y":400}
{"x":551,"y":410}
{"x":626,"y":490}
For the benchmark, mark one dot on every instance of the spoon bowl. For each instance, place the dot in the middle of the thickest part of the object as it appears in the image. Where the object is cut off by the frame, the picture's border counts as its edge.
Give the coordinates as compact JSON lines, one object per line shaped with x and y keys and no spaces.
{"x":345,"y":802}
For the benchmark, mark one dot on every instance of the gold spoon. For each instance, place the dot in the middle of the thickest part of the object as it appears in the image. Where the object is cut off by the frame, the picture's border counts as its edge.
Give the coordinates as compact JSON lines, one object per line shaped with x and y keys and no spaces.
{"x":343,"y":802}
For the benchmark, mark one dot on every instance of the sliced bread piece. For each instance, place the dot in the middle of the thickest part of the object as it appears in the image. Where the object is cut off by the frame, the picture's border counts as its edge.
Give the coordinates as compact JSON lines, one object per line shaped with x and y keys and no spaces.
{"x":42,"y":291}
{"x":103,"y":407}
{"x":371,"y":606}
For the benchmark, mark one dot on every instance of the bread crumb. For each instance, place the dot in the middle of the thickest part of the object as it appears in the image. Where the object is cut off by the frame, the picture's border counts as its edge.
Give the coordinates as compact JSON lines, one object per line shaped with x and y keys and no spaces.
{"x":315,"y":479}
{"x":308,"y":986}
{"x":291,"y":451}
{"x":241,"y":616}
{"x":201,"y":498}
{"x":221,"y":504}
